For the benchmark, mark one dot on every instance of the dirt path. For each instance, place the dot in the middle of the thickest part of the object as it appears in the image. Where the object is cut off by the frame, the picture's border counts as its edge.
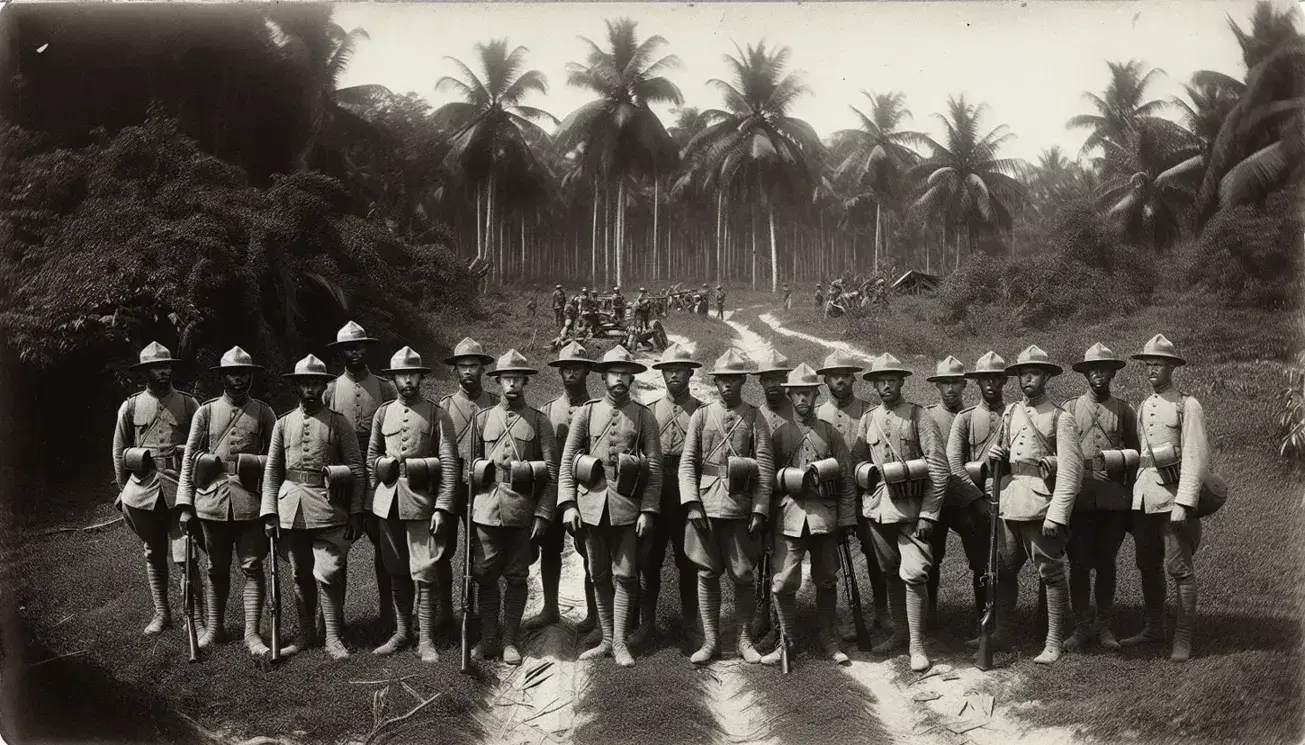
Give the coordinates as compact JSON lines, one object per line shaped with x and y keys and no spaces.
{"x":774,"y":324}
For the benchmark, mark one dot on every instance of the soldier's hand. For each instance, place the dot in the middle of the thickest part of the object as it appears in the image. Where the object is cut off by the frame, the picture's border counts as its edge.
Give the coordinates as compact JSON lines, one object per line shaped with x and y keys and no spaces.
{"x":850,"y":532}
{"x":644,"y":526}
{"x":1178,"y":514}
{"x":538,"y":529}
{"x":757,"y":523}
{"x":923,"y":528}
{"x":1050,"y":529}
{"x":698,"y":518}
{"x":437,"y":522}
{"x":571,"y":519}
{"x":998,"y":453}
{"x":269,"y":525}
{"x":354,"y":530}
{"x":185,"y":518}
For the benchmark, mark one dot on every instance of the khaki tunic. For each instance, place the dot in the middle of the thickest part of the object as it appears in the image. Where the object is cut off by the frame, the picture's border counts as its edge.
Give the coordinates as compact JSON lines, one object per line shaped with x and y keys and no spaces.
{"x":777,"y":418}
{"x":902,"y":433}
{"x":507,"y":435}
{"x":1160,"y":422}
{"x":715,"y":433}
{"x":974,"y":431}
{"x":309,"y":442}
{"x":160,"y":423}
{"x":227,"y":430}
{"x":1108,"y":426}
{"x":463,"y":409}
{"x":673,"y":417}
{"x":846,"y":419}
{"x":798,"y":444}
{"x":604,"y":429}
{"x":400,"y":431}
{"x":358,"y":401}
{"x":1033,"y":432}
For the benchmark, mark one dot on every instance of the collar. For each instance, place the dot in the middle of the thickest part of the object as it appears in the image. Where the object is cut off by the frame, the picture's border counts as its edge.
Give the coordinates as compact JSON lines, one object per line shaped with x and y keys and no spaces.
{"x":952,"y":410}
{"x":366,"y":373}
{"x":518,"y":407}
{"x":615,"y":402}
{"x":415,"y":400}
{"x":315,"y":412}
{"x":682,"y":400}
{"x":463,"y":392}
{"x":1092,"y":394}
{"x":983,"y":402}
{"x":162,"y":395}
{"x":1040,"y":400}
{"x":1161,"y":390}
{"x":575,"y":401}
{"x":809,"y":419}
{"x":243,"y":399}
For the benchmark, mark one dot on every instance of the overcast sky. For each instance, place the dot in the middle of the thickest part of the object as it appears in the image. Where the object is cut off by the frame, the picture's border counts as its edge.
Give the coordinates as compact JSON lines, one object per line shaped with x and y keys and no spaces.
{"x":1030,"y":62}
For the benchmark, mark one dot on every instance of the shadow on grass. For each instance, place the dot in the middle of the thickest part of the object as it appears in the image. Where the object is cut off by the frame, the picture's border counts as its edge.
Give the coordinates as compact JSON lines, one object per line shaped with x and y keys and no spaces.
{"x":658,"y":701}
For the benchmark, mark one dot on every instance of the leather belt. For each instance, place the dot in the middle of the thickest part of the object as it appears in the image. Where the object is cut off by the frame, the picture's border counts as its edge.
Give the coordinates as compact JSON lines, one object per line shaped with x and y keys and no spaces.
{"x":307,"y":478}
{"x":1020,"y":468}
{"x":709,"y":469}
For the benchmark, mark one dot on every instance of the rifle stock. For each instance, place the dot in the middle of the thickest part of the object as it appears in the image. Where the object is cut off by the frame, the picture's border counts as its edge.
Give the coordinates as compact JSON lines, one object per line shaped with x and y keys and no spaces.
{"x":983,"y":658}
{"x":188,"y":599}
{"x":853,"y":595}
{"x":467,"y":582}
{"x":276,"y":600}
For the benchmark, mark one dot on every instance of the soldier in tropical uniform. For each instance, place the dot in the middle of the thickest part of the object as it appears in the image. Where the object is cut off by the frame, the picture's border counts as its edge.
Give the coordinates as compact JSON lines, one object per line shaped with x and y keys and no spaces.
{"x":156,"y":421}
{"x":223,"y":429}
{"x":673,"y":412}
{"x":820,"y":296}
{"x":1101,"y":512}
{"x":589,"y":311}
{"x":468,"y":362}
{"x":409,"y":490}
{"x":559,"y":303}
{"x":902,"y":515}
{"x":1035,"y":514}
{"x":618,"y":504}
{"x":514,"y":501}
{"x":772,"y":372}
{"x":720,"y":302}
{"x":844,"y":410}
{"x":808,"y":513}
{"x":642,"y":308}
{"x":788,"y":297}
{"x":317,"y":520}
{"x":573,"y":366}
{"x":357,"y":394}
{"x":618,"y":304}
{"x":1165,"y":529}
{"x":726,"y":510}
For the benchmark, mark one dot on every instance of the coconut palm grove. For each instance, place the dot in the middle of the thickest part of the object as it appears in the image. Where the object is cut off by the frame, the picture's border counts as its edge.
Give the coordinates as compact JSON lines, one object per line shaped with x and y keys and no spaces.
{"x":209,"y":176}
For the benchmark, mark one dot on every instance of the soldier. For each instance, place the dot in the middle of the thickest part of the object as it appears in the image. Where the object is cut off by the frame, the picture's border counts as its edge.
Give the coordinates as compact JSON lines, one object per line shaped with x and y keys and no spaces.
{"x":409,"y":492}
{"x":357,"y":394}
{"x":513,"y":504}
{"x":974,"y":430}
{"x":618,"y":304}
{"x":227,"y":507}
{"x":559,"y":305}
{"x":673,"y":413}
{"x":1034,"y":513}
{"x":808,"y":513}
{"x":902,"y":515}
{"x":1165,"y":529}
{"x":531,"y":306}
{"x":589,"y":310}
{"x":844,"y":411}
{"x":957,"y":514}
{"x":788,"y":297}
{"x":704,"y":299}
{"x":642,"y":309}
{"x":720,"y":302}
{"x":156,"y":420}
{"x":624,"y":466}
{"x":1101,"y":511}
{"x":820,"y":295}
{"x":573,"y":365}
{"x":726,"y":510}
{"x":317,"y":520}
{"x":772,"y":372}
{"x":468,"y":362}
{"x":571,"y":314}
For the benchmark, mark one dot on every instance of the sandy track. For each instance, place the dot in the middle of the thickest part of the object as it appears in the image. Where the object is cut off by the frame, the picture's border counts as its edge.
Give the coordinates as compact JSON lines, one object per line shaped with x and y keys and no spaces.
{"x":774,"y":324}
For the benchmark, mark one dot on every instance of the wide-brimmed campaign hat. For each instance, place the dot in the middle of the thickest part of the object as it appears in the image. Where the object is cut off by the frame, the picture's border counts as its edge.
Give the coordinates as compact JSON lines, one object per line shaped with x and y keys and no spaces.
{"x":512,"y":361}
{"x":619,"y":357}
{"x":802,"y":376}
{"x":235,"y":359}
{"x":1162,"y":349}
{"x":949,"y":369}
{"x":675,"y":356}
{"x":990,"y":363}
{"x":773,"y":361}
{"x":572,"y":354}
{"x":154,"y":354}
{"x":732,"y":363}
{"x":838,"y":361}
{"x":468,"y":348}
{"x":405,"y":360}
{"x":309,"y":368}
{"x":1098,"y":355}
{"x":351,"y":333}
{"x":886,"y":364}
{"x":1034,"y":356}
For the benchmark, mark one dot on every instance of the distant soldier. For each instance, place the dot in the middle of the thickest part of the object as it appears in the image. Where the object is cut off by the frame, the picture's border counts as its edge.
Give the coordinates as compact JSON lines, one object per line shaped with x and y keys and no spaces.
{"x":957,"y":515}
{"x":720,"y":302}
{"x":618,"y":304}
{"x":788,"y":297}
{"x":468,"y":362}
{"x":902,"y":515}
{"x":589,"y":310}
{"x":559,"y":305}
{"x":317,"y":519}
{"x":808,"y":513}
{"x":573,"y":366}
{"x":704,"y":299}
{"x":357,"y":394}
{"x":228,"y":506}
{"x":148,"y":437}
{"x":844,"y":410}
{"x":1034,"y":513}
{"x":531,"y":307}
{"x":513,"y":505}
{"x":642,"y":309}
{"x":571,"y":315}
{"x":726,"y":476}
{"x":612,"y":494}
{"x":820,"y":295}
{"x":974,"y":431}
{"x":1101,"y":512}
{"x":673,"y":413}
{"x":1175,"y":463}
{"x":410,"y":490}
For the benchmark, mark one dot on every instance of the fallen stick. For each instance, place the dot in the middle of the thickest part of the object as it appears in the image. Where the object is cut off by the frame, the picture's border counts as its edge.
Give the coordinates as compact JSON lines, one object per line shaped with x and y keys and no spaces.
{"x":96,"y":526}
{"x":58,"y":657}
{"x":378,"y":682}
{"x":371,"y":737}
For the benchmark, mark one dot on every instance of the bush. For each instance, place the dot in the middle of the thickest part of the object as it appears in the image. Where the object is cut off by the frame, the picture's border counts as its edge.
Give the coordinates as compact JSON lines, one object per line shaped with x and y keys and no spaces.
{"x":1250,"y":255}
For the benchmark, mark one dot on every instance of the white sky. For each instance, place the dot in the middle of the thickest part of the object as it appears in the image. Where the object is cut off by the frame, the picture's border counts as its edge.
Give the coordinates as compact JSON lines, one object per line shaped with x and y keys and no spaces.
{"x":1029,"y":61}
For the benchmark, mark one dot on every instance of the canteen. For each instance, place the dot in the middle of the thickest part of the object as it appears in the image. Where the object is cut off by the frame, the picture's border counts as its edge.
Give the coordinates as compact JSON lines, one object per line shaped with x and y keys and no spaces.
{"x":483,"y":472}
{"x":249,"y":470}
{"x":1168,"y":459}
{"x":339,"y":476}
{"x":522,"y":476}
{"x":911,"y":470}
{"x":825,"y":472}
{"x":387,"y":470}
{"x":867,"y":475}
{"x":208,"y":467}
{"x":791,"y":480}
{"x":587,"y":469}
{"x":630,"y":471}
{"x":423,"y":473}
{"x":1123,"y":462}
{"x":1214,"y":493}
{"x":743,"y":474}
{"x":138,"y":460}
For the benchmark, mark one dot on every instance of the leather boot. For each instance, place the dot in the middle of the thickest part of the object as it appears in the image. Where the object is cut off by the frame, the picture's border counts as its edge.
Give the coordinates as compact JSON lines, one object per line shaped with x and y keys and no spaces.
{"x":333,"y":617}
{"x":488,"y":599}
{"x":604,"y":598}
{"x":1080,"y":601}
{"x":253,"y":602}
{"x":426,"y":622}
{"x":786,"y":605}
{"x":709,"y":611}
{"x":826,"y":604}
{"x":916,"y":598}
{"x":1182,"y":651}
{"x":157,"y":574}
{"x":401,"y":599}
{"x":1057,"y":611}
{"x":1105,"y":637}
{"x":1153,"y":597}
{"x":621,"y":621}
{"x":514,"y":606}
{"x":745,"y":607}
{"x":216,"y":595}
{"x":897,"y":603}
{"x":385,"y":593}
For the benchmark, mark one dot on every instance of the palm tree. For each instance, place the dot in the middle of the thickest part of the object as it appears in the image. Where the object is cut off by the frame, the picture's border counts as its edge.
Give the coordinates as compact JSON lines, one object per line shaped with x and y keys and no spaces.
{"x":1148,"y":180}
{"x":1212,"y":96}
{"x":689,"y":121}
{"x":492,"y":135}
{"x":1121,"y":107}
{"x":753,"y":143}
{"x":620,"y":135}
{"x":964,"y":181}
{"x":877,"y":155}
{"x":1270,"y":28}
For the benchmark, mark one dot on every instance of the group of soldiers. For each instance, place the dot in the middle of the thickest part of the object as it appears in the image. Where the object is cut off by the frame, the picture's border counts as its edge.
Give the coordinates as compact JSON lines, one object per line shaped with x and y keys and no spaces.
{"x":726,"y":484}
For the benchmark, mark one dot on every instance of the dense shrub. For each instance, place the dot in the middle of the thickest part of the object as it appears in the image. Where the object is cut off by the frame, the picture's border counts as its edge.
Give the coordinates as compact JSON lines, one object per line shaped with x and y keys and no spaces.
{"x":1250,"y":255}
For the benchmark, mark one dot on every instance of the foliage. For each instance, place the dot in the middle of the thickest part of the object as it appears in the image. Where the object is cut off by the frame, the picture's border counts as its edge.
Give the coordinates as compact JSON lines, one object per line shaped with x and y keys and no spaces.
{"x":1251,"y":254}
{"x":1291,"y":422}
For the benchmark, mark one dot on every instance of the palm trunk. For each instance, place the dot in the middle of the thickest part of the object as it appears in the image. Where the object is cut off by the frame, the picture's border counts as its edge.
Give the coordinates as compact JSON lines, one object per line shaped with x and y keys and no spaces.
{"x":752,"y":228}
{"x":655,"y":262}
{"x":620,"y":229}
{"x":593,"y":246}
{"x":774,"y":252}
{"x":607,"y":232}
{"x":480,"y":246}
{"x":878,"y":224}
{"x":720,"y":250}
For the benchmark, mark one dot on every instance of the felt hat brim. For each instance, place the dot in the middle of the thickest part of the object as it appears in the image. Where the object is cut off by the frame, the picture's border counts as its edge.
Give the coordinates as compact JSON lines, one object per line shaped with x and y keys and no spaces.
{"x":764,"y":371}
{"x":676,"y":363}
{"x":483,"y":359}
{"x":511,"y":370}
{"x":234,"y":368}
{"x":945,"y":378}
{"x":1086,"y":365}
{"x":151,"y":363}
{"x":1178,"y":361}
{"x":636,"y":367}
{"x":975,"y":374}
{"x":574,"y":362}
{"x":851,"y":369}
{"x":1048,"y":366}
{"x":890,"y":371}
{"x":309,"y":376}
{"x":398,"y":370}
{"x":363,"y":340}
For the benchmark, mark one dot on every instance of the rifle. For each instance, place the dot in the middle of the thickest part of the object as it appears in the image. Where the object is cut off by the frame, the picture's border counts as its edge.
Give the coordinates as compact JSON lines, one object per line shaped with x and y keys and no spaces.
{"x":467,"y":582}
{"x":188,"y":599}
{"x":983,"y":658}
{"x":276,"y":601}
{"x":853,"y":595}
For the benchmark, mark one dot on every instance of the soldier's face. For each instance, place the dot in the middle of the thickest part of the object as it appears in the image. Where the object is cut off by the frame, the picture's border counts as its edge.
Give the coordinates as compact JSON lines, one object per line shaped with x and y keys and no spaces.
{"x":237,"y":383}
{"x":618,"y":382}
{"x":574,"y":376}
{"x":730,"y":388}
{"x":772,"y":384}
{"x":158,"y":376}
{"x":1033,"y":380}
{"x":513,"y":385}
{"x":1159,"y":372}
{"x":677,"y":379}
{"x":951,"y":391}
{"x":840,"y":384}
{"x":991,"y":385}
{"x":310,"y":391}
{"x":408,"y":384}
{"x":354,"y":355}
{"x":1099,"y":377}
{"x":469,"y":372}
{"x":804,"y":400}
{"x":889,"y":388}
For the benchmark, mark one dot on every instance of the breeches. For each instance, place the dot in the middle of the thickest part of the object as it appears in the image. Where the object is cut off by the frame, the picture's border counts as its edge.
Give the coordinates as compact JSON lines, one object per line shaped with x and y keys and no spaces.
{"x":787,"y":561}
{"x":1161,"y":541}
{"x":726,"y":547}
{"x":668,"y":529}
{"x":1021,"y":540}
{"x":1095,"y":537}
{"x":612,"y":552}
{"x":407,"y":548}
{"x":159,"y":530}
{"x":900,"y":553}
{"x":245,"y":537}
{"x":970,"y":522}
{"x":501,"y":552}
{"x":318,"y":552}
